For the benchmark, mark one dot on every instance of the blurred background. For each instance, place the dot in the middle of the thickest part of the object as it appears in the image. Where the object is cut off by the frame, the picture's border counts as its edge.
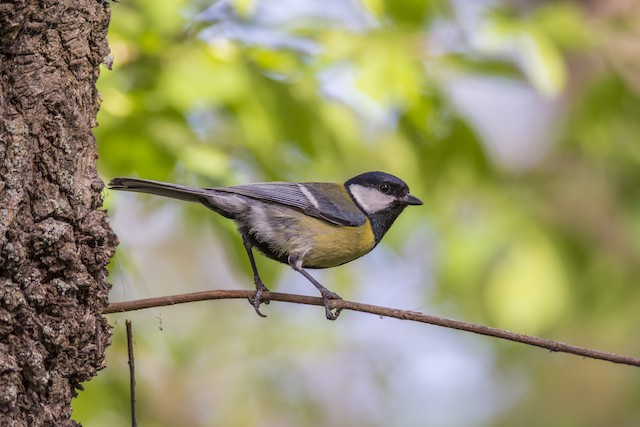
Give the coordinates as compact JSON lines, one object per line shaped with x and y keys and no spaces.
{"x":518,"y":124}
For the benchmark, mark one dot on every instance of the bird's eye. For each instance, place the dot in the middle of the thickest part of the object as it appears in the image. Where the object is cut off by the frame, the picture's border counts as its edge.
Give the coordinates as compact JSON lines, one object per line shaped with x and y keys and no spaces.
{"x":384,"y":188}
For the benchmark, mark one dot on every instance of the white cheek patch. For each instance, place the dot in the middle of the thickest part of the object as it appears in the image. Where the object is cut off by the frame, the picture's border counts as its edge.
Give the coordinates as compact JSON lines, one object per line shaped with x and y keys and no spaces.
{"x":370,"y":199}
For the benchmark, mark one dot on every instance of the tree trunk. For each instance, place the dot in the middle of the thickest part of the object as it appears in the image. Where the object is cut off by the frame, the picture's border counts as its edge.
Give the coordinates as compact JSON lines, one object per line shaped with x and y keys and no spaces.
{"x":55,"y":243}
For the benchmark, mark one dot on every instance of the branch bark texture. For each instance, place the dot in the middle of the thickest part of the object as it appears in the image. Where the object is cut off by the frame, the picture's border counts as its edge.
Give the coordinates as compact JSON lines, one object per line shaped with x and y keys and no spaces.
{"x":119,"y":307}
{"x":54,"y":242}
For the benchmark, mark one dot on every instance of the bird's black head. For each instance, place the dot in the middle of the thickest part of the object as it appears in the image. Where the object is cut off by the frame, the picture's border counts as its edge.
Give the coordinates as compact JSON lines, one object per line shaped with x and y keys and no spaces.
{"x":382,"y":197}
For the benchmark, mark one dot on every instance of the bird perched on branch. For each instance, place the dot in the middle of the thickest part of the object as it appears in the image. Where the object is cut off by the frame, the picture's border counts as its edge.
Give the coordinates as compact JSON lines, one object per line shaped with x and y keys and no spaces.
{"x":302,"y":224}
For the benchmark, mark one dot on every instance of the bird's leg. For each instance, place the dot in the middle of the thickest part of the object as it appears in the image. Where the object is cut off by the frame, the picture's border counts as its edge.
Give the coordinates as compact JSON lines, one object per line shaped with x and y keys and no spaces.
{"x":257,"y":299}
{"x":327,"y":295}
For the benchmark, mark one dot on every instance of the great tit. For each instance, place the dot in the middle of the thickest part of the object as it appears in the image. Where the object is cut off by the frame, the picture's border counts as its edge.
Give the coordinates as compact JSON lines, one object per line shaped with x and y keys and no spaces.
{"x":305,"y":224}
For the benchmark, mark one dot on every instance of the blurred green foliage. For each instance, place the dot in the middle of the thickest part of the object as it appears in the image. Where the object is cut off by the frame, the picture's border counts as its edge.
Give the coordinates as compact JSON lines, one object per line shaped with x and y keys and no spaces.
{"x":550,"y":249}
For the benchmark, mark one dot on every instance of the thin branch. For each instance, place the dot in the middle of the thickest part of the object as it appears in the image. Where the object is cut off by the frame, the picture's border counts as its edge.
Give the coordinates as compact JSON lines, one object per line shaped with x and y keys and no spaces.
{"x":132,"y":374}
{"x":551,"y":345}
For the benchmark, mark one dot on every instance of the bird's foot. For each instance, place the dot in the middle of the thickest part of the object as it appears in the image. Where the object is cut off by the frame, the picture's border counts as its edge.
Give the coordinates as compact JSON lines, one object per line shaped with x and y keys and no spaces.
{"x":257,"y":299}
{"x":327,"y":298}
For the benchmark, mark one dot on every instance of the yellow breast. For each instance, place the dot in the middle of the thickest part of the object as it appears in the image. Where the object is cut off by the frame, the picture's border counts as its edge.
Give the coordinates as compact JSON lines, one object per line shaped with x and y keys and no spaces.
{"x":335,"y":245}
{"x":281,"y":233}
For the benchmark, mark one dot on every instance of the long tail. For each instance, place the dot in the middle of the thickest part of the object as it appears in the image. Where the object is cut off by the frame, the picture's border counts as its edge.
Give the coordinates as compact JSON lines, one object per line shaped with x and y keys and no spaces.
{"x":165,"y":189}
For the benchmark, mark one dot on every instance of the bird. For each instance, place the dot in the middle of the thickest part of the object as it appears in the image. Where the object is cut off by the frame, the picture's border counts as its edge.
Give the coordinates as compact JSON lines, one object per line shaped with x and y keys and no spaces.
{"x":307,"y":225}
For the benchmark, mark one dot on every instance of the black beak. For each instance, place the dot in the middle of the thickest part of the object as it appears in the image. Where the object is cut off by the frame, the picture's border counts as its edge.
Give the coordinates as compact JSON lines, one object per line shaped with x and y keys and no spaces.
{"x":411,"y":200}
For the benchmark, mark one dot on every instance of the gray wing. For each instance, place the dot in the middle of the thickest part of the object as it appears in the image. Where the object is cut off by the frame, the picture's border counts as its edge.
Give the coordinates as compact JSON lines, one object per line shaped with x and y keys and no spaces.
{"x":327,"y":201}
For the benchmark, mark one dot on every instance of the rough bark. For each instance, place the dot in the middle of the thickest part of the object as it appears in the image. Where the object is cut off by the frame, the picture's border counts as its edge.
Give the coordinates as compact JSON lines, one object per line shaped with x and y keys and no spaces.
{"x":55,"y":243}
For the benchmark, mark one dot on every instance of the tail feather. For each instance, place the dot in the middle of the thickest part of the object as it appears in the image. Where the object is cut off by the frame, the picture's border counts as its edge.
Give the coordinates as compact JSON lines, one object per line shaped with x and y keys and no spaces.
{"x":175,"y":191}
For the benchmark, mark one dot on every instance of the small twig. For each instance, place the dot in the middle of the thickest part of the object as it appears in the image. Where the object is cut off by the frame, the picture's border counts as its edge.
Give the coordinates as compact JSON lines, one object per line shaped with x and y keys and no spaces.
{"x":132,"y":374}
{"x":551,"y":345}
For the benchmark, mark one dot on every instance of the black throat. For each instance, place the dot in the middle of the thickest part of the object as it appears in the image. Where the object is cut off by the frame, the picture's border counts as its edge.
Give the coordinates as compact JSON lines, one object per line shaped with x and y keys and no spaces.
{"x":382,"y":220}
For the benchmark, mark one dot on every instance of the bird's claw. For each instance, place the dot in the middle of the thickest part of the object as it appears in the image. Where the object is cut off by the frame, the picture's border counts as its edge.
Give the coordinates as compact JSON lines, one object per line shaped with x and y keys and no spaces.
{"x":257,"y":299}
{"x":327,"y":298}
